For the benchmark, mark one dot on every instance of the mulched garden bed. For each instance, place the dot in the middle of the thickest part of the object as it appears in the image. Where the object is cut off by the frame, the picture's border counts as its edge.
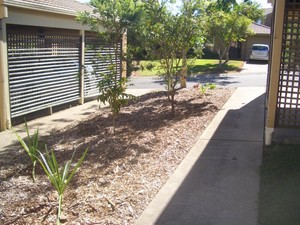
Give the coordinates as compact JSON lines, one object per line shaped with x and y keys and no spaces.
{"x":121,"y":174}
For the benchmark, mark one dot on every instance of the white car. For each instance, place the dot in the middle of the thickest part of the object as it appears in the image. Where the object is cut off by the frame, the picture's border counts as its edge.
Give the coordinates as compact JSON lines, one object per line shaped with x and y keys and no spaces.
{"x":259,"y":52}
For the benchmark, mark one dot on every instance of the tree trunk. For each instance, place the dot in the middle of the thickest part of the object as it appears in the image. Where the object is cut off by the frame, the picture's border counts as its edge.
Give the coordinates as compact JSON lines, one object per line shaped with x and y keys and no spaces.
{"x":183,"y":70}
{"x":227,"y":54}
{"x":173,"y":103}
{"x":220,"y":61}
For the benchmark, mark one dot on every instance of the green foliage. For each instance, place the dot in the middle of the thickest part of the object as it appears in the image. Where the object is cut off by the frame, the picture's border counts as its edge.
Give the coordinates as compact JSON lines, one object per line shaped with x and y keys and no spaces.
{"x":195,"y":67}
{"x":110,"y":19}
{"x":150,"y":66}
{"x":251,"y":10}
{"x":204,"y":87}
{"x":164,"y":42}
{"x":169,"y":36}
{"x":226,"y":5}
{"x":225,"y":28}
{"x":211,"y":86}
{"x":192,"y":18}
{"x":59,"y":177}
{"x":31,"y":147}
{"x":112,"y":91}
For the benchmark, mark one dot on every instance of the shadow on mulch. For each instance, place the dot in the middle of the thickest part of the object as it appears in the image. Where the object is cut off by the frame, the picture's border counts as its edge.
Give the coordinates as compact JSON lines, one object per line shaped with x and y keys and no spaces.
{"x":148,"y":113}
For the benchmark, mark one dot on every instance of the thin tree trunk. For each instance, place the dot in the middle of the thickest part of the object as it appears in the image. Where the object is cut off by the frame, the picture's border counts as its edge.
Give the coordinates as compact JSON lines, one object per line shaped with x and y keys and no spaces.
{"x":227,"y":54}
{"x":114,"y":124}
{"x":173,"y":103}
{"x":220,"y":61}
{"x":183,"y":70}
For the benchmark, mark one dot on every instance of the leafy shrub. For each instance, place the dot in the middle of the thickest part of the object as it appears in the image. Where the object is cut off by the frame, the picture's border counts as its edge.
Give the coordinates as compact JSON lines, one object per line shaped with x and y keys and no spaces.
{"x":112,"y":90}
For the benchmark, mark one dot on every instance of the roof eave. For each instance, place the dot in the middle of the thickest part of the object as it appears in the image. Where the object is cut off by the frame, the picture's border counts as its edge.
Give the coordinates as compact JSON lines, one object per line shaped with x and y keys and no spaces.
{"x":39,"y":7}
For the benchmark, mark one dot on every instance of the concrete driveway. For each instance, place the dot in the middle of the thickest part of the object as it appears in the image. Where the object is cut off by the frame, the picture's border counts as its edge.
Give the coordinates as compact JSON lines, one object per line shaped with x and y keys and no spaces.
{"x":252,"y":75}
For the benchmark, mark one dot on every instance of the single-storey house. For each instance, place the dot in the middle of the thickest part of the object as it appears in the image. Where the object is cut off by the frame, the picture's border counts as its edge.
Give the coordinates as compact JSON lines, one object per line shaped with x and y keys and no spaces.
{"x":283,"y":88}
{"x":47,"y":58}
{"x":261,"y":36}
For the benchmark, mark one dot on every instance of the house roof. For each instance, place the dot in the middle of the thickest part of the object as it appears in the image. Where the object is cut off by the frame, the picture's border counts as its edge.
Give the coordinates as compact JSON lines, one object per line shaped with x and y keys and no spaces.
{"x":268,"y":11}
{"x":260,"y":29}
{"x":66,"y":7}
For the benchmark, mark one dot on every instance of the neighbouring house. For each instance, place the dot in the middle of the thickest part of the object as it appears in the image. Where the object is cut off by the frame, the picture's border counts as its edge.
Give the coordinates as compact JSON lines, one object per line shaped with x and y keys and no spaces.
{"x":261,"y":36}
{"x":47,"y":58}
{"x":268,"y":17}
{"x":283,"y":86}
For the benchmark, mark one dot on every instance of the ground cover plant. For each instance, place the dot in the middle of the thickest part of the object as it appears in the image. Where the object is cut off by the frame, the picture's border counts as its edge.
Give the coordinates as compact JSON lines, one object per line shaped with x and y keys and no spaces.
{"x":197,"y":66}
{"x":279,"y":198}
{"x":121,"y":173}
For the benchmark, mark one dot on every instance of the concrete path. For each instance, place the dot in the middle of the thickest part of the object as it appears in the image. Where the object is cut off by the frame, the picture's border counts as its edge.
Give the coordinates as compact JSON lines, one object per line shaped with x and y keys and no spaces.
{"x":218,"y":181}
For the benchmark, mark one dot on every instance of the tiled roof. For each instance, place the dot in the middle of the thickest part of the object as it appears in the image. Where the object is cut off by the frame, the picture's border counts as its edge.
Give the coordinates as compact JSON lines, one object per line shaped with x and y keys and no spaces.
{"x":67,"y":7}
{"x":268,"y":11}
{"x":260,"y":29}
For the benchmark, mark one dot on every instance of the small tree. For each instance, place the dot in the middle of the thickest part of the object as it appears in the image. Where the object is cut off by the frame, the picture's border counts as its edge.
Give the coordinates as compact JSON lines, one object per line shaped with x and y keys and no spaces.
{"x":110,"y":20}
{"x":165,"y":41}
{"x":225,"y":28}
{"x":229,"y":22}
{"x":192,"y":21}
{"x":113,"y":91}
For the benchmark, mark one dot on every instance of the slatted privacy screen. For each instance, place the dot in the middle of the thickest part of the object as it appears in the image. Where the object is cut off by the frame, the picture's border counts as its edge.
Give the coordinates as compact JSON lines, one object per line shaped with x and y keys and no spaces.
{"x":288,"y":101}
{"x":43,"y":70}
{"x":99,"y":55}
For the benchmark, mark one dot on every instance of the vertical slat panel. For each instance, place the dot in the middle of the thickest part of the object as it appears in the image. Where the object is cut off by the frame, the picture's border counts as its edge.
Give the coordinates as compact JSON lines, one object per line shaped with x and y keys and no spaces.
{"x":288,"y":101}
{"x":43,"y":70}
{"x":98,"y":57}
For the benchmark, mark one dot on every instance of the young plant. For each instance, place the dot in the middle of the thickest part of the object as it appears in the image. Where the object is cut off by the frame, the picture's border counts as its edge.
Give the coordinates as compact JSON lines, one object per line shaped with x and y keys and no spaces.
{"x":202,"y":89}
{"x":31,"y":147}
{"x":211,"y":86}
{"x":112,"y":90}
{"x":59,"y":177}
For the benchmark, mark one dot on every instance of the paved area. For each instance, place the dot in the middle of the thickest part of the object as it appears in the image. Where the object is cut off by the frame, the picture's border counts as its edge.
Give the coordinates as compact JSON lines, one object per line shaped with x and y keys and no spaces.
{"x":252,"y":75}
{"x":218,"y":181}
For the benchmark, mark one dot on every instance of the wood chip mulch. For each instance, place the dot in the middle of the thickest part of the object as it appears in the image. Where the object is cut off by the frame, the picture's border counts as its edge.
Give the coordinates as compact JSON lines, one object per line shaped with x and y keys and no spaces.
{"x":121,"y":174}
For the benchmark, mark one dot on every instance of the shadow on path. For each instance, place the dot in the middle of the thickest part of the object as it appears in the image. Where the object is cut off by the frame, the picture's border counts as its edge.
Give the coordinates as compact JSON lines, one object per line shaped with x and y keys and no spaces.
{"x":218,"y":182}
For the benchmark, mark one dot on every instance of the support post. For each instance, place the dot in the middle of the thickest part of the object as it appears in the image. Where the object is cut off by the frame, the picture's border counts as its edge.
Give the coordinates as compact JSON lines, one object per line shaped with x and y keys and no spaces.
{"x":274,"y":70}
{"x":5,"y":121}
{"x":82,"y":71}
{"x":124,"y":53}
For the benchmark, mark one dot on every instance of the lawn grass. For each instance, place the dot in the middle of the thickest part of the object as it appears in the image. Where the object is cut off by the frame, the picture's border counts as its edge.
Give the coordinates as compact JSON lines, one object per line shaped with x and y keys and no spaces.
{"x":198,"y":66}
{"x":279,"y":198}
